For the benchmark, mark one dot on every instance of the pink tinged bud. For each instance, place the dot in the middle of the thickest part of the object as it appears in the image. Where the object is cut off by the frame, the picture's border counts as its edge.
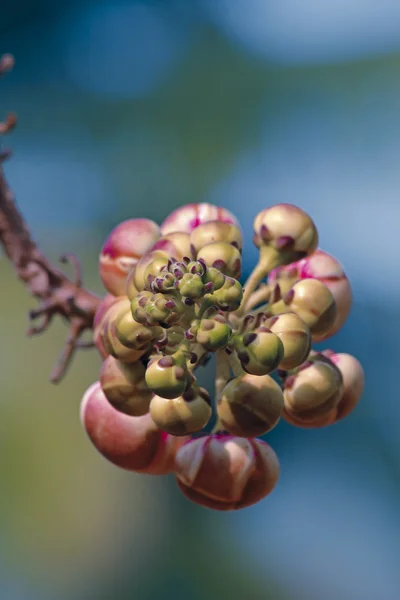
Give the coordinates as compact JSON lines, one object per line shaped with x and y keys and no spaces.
{"x":224,"y":472}
{"x":100,"y":321}
{"x":175,"y":244}
{"x":127,"y":242}
{"x":188,"y":217}
{"x":327,"y":269}
{"x":353,"y":383}
{"x":132,"y":443}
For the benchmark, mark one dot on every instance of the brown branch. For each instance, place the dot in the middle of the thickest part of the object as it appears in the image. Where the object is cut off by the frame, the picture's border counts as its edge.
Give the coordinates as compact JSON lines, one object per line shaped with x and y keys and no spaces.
{"x":57,"y":294}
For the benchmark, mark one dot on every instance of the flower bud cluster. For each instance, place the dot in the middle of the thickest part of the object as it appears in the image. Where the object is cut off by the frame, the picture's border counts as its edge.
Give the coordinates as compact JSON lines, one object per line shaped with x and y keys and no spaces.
{"x":174,"y":300}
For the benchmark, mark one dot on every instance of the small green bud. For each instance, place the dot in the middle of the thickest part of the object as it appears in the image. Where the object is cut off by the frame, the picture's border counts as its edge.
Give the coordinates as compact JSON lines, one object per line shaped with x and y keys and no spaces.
{"x":166,"y":378}
{"x":250,"y":405}
{"x":215,"y":277}
{"x":184,"y":414}
{"x":259,"y":351}
{"x":191,"y":286}
{"x":131,"y":333}
{"x":139,"y":279}
{"x":229,"y":296}
{"x":213,"y":334}
{"x":222,"y":256}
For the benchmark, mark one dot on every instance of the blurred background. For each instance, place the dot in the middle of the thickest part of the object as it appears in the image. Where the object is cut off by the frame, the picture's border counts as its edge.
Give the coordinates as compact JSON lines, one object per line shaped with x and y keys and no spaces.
{"x":131,"y":108}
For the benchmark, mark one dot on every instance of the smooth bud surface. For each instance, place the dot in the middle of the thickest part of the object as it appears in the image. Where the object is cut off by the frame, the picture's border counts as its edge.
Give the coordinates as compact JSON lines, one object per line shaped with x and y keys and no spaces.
{"x":124,"y":386}
{"x":250,"y":405}
{"x":222,"y":256}
{"x":132,"y":443}
{"x":224,"y":472}
{"x":215,"y":231}
{"x":188,"y":217}
{"x":183,"y":415}
{"x":295,"y":337}
{"x":125,"y":245}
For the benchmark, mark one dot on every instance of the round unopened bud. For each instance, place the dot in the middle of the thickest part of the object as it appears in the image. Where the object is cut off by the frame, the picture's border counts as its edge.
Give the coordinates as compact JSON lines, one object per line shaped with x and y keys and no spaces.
{"x":353,"y":383}
{"x":215,"y":231}
{"x":125,"y":387}
{"x":131,"y":333}
{"x":191,"y":286}
{"x":222,"y":256}
{"x":132,"y":443}
{"x":229,"y":296}
{"x":327,"y":269}
{"x":186,"y":414}
{"x":224,"y":472}
{"x":176,"y":244}
{"x":250,"y":405}
{"x":114,"y":347}
{"x":312,"y":301}
{"x":173,"y":338}
{"x":125,"y":245}
{"x":313,"y":391}
{"x":188,"y":217}
{"x":215,"y":277}
{"x":100,"y":321}
{"x":139,"y":276}
{"x":130,"y":289}
{"x":259,"y":351}
{"x":213,"y":334}
{"x":295,"y":337}
{"x":167,"y":378}
{"x":288,"y":230}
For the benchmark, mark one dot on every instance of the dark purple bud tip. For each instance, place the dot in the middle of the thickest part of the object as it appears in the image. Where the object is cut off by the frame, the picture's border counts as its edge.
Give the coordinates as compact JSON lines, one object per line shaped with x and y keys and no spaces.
{"x":188,"y":302}
{"x":228,"y":351}
{"x":243,"y":357}
{"x":249,"y":338}
{"x":284,"y":242}
{"x":208,"y":288}
{"x":166,"y":362}
{"x":276,"y":294}
{"x":273,"y":320}
{"x":170,"y":304}
{"x":142,"y":301}
{"x":186,"y":260}
{"x":193,"y":358}
{"x":192,"y":249}
{"x":189,"y":335}
{"x":169,"y":263}
{"x":264,"y":330}
{"x":264,"y":233}
{"x":150,"y":278}
{"x":203,"y":263}
{"x":219,"y":264}
{"x":288,"y":298}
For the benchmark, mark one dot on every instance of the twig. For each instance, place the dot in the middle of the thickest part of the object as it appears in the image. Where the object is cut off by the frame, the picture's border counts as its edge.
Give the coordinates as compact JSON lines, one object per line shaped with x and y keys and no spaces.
{"x":57,"y":294}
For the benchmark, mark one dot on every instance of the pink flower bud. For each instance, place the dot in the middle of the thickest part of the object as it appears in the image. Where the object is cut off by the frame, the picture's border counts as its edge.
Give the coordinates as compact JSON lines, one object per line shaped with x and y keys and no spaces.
{"x":99,"y":322}
{"x":353,"y":383}
{"x":127,"y":242}
{"x":225,"y":472}
{"x":132,"y":443}
{"x":324,"y":267}
{"x":188,"y":217}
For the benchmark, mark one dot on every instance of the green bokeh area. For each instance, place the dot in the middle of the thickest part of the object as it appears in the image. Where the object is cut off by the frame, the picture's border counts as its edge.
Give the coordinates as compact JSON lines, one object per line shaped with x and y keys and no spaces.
{"x":226,"y":125}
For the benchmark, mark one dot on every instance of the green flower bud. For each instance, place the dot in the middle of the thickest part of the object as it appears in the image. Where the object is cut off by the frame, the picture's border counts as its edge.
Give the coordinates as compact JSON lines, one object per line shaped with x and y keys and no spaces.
{"x":250,"y":405}
{"x":130,"y":289}
{"x":131,"y":333}
{"x":313,"y":390}
{"x":295,"y":336}
{"x":154,"y":270}
{"x":222,"y":256}
{"x":259,"y":351}
{"x":215,"y":231}
{"x":312,"y":301}
{"x":191,"y":286}
{"x":173,"y":338}
{"x":182,"y":415}
{"x":213,"y":334}
{"x":229,"y":296}
{"x":215,"y":277}
{"x":157,"y":309}
{"x":124,"y":386}
{"x":164,"y":282}
{"x":167,"y":377}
